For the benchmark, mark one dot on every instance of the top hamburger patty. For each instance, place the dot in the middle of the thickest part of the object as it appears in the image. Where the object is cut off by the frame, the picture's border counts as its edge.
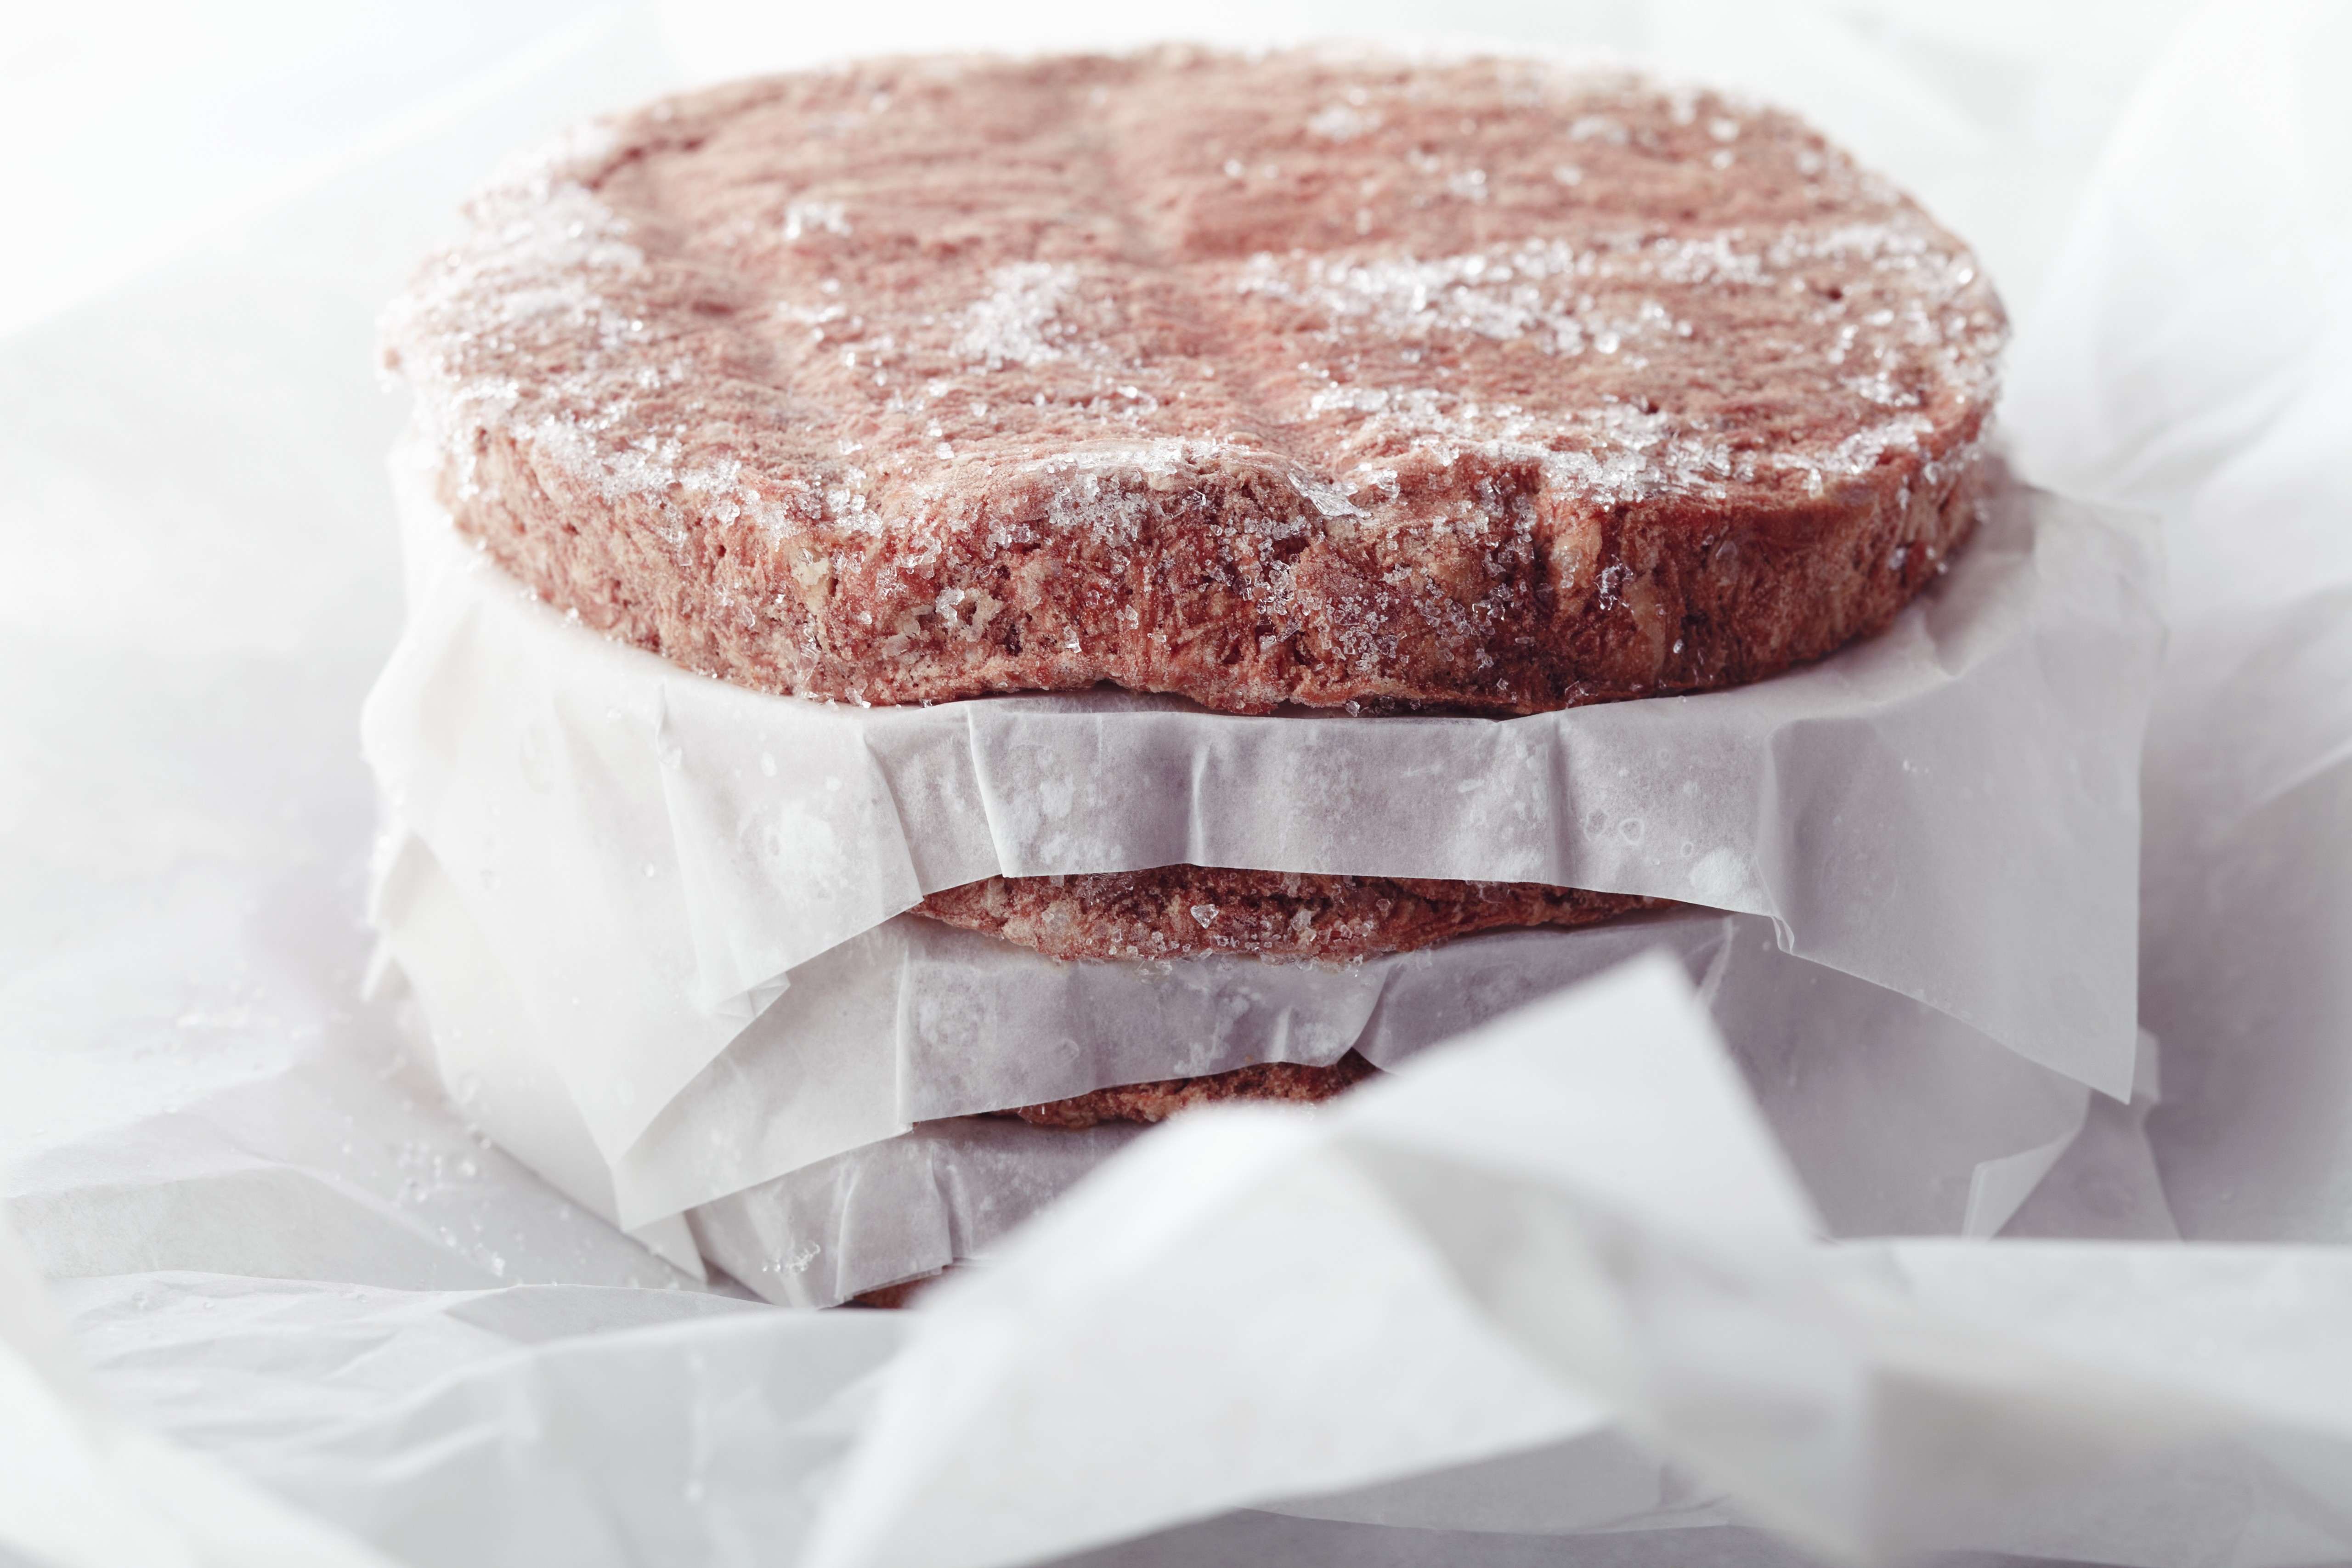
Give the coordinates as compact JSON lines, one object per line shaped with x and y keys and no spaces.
{"x":1486,"y":385}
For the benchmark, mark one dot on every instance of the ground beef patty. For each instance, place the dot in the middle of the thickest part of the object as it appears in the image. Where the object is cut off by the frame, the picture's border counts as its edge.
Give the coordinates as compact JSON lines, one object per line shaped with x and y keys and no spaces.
{"x":1158,"y":1102}
{"x":1183,"y":911}
{"x":1485,"y":385}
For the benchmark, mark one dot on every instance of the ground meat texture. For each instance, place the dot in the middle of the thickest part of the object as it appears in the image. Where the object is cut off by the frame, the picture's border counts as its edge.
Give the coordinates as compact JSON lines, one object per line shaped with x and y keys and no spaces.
{"x":1158,"y":1102}
{"x":1183,"y":911}
{"x":1483,"y":384}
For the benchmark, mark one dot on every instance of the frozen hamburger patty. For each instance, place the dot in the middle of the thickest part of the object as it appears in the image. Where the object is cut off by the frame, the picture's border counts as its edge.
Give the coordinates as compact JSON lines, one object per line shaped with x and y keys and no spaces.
{"x":1486,"y":385}
{"x":1148,"y":1102}
{"x":1183,"y":911}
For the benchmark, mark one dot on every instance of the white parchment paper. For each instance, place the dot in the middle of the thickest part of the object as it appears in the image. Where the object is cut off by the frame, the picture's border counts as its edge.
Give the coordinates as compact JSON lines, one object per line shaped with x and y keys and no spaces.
{"x":898,"y":1209}
{"x":82,"y":1486}
{"x":816,"y":1157}
{"x":1948,"y":811}
{"x":1576,"y":1220}
{"x":1893,"y":1105}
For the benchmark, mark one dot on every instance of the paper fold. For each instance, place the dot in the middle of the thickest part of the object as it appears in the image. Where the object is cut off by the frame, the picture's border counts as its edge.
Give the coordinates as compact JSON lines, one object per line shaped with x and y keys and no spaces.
{"x":1580,"y":1217}
{"x":1898,"y":1115}
{"x":1947,"y":811}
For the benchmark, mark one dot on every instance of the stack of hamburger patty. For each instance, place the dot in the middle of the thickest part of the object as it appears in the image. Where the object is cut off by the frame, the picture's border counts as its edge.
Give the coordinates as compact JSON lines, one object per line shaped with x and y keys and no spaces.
{"x":1484,"y":387}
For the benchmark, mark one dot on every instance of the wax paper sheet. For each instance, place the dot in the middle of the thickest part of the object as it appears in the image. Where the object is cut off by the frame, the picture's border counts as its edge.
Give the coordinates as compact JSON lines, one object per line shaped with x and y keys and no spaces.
{"x":898,"y":1209}
{"x":79,"y":1485}
{"x":1575,"y":1220}
{"x":1948,"y":810}
{"x":1901,"y":1117}
{"x":1892,"y":1103}
{"x":277,"y":1245}
{"x":571,"y":1425}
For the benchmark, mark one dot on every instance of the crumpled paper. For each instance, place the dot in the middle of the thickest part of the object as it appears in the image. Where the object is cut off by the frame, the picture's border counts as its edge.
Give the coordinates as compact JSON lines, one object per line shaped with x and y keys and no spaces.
{"x":2248,"y":931}
{"x":577,"y":1425}
{"x":1891,"y":1104}
{"x":2193,"y":354}
{"x":1900,"y":1112}
{"x":898,"y":1209}
{"x":80,"y":1487}
{"x":1948,"y":810}
{"x":1902,"y":1118}
{"x":1575,"y":1219}
{"x":2197,"y":360}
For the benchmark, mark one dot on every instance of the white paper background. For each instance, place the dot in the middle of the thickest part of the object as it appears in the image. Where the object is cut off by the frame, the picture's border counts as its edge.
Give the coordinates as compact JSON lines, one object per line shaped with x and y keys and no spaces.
{"x":186,"y":631}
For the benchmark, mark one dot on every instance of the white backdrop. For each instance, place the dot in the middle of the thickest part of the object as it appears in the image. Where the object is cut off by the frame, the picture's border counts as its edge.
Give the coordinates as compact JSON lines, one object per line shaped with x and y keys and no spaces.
{"x":155,"y":123}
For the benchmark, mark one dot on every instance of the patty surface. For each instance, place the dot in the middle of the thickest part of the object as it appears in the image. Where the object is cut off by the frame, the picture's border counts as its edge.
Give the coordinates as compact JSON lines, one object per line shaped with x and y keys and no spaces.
{"x":1157,"y":1101}
{"x":1484,"y":384}
{"x":1184,"y":911}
